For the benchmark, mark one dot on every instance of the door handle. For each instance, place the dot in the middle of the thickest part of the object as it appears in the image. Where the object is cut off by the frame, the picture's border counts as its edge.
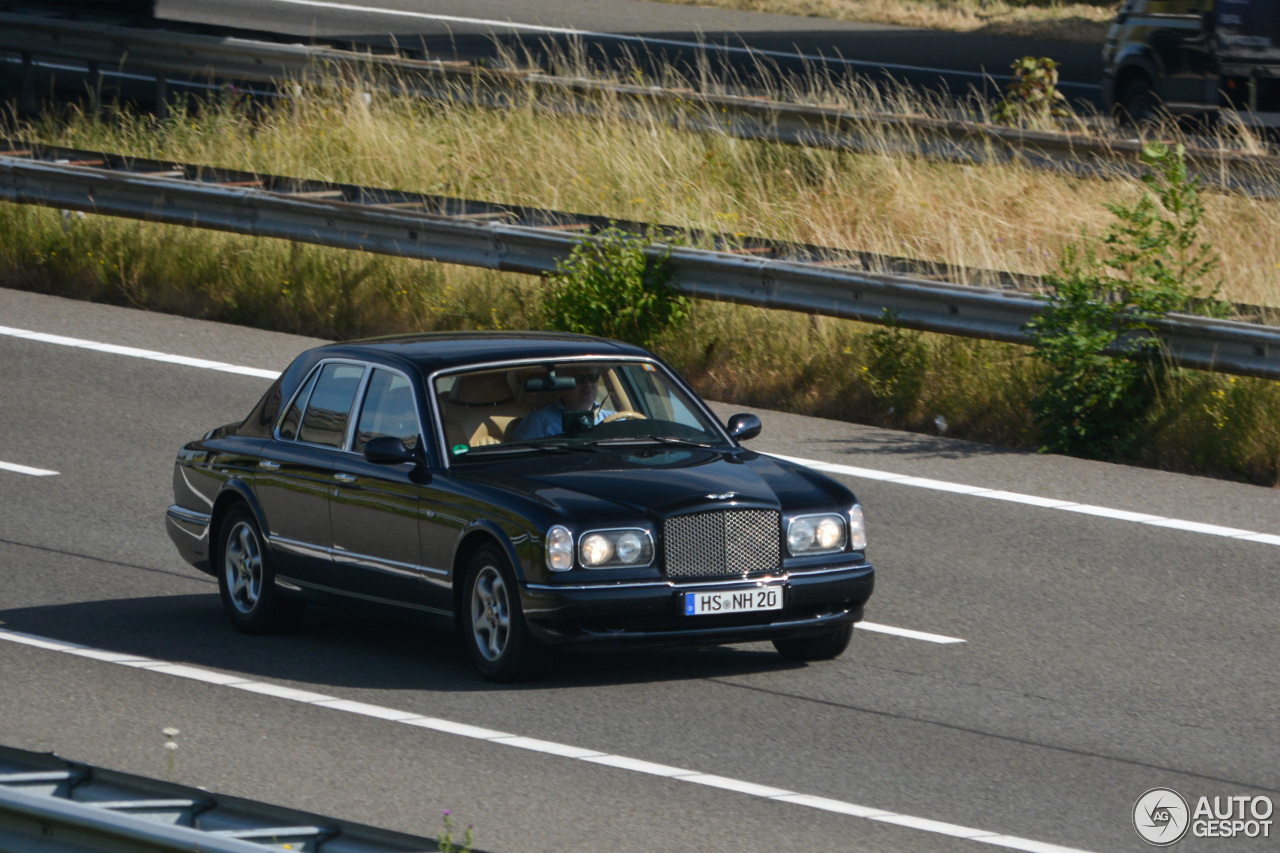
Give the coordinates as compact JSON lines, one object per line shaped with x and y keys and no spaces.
{"x":269,"y":465}
{"x":344,"y":478}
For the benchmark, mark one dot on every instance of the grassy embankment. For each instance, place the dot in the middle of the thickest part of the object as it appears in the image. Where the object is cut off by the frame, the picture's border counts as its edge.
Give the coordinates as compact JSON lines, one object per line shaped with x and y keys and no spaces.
{"x":1082,"y":21}
{"x":979,"y":216}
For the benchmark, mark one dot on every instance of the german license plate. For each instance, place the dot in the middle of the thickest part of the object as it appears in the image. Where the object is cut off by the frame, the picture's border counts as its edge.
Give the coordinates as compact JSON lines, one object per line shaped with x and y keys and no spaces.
{"x":736,"y":601}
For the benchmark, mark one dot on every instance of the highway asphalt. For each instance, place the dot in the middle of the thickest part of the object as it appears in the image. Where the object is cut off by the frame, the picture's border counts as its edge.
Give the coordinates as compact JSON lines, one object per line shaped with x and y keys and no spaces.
{"x":1101,"y":656}
{"x":661,"y":34}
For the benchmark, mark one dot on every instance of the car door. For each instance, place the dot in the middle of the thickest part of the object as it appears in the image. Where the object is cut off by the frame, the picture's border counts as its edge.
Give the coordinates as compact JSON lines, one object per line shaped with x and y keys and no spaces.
{"x":375,"y":508}
{"x":295,"y":473}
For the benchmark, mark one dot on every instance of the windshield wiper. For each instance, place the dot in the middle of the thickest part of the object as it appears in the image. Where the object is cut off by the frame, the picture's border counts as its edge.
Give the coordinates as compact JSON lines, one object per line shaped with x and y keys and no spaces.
{"x":650,"y":439}
{"x":520,"y":446}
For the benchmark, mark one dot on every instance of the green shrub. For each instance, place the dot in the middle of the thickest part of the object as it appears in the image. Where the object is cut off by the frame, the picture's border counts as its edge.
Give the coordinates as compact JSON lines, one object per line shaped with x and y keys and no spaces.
{"x":609,"y":287}
{"x":1106,"y":364}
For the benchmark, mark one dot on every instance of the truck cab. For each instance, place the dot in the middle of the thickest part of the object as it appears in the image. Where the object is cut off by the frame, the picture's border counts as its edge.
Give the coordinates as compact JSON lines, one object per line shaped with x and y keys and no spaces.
{"x":1194,"y":57}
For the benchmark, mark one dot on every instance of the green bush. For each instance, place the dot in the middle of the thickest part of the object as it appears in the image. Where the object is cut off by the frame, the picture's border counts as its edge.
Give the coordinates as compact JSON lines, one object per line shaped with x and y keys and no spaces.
{"x":1106,"y":364}
{"x":609,"y":287}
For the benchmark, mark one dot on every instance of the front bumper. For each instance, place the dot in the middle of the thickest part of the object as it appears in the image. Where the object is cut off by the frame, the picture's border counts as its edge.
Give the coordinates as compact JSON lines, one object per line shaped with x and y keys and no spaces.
{"x":652,"y":613}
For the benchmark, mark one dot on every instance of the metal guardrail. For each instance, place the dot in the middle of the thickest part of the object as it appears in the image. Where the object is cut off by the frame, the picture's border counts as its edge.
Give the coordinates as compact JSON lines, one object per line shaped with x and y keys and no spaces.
{"x":51,"y":805}
{"x":1217,"y":345}
{"x":161,"y":52}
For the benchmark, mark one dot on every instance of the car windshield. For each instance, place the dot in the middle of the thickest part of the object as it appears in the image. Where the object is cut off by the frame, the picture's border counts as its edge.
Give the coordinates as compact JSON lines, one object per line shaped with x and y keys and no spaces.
{"x":559,"y":405}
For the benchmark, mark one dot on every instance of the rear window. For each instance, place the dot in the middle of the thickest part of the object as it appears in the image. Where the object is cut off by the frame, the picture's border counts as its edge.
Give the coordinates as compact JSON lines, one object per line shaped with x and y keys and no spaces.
{"x":329,"y":409}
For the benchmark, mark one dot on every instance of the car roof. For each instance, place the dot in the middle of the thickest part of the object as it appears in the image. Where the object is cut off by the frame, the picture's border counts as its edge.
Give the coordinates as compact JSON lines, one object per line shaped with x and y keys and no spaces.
{"x":434,"y":351}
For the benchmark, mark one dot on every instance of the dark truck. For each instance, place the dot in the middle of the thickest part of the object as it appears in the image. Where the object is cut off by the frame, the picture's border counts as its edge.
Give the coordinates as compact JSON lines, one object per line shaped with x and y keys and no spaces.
{"x":1194,"y":57}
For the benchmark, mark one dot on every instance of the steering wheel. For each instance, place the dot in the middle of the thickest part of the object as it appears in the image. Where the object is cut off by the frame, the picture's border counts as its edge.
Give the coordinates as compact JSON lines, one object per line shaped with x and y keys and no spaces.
{"x":625,"y":414}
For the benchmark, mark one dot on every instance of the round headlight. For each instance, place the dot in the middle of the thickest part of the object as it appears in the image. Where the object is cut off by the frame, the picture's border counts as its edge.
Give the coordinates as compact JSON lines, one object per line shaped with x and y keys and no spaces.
{"x":829,"y":533}
{"x":559,"y":549}
{"x":800,"y":535}
{"x":596,"y":549}
{"x":630,"y":546}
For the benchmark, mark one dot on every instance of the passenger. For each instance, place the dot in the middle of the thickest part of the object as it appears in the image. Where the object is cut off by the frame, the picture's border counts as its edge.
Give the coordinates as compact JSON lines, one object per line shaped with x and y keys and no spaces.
{"x":549,"y":420}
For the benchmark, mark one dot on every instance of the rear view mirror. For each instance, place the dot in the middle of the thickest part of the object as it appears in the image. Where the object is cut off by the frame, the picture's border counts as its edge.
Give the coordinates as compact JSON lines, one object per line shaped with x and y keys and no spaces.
{"x":744,"y":426}
{"x":550,"y":382}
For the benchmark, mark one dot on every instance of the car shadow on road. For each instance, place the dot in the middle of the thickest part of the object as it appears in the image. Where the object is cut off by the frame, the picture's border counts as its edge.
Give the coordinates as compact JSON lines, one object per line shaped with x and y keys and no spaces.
{"x":339,"y":649}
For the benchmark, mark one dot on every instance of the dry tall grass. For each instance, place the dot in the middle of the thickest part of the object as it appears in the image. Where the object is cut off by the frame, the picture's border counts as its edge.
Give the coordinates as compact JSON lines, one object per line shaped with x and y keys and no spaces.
{"x":983,"y":216}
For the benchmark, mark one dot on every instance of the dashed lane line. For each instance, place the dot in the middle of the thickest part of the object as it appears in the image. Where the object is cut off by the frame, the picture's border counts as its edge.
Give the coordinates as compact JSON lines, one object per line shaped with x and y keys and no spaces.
{"x":1036,"y":500}
{"x":26,"y":469}
{"x":566,"y":751}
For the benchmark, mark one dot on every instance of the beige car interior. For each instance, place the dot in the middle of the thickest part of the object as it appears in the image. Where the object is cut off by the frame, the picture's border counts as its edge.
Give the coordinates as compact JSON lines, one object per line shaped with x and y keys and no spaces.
{"x":485,"y":408}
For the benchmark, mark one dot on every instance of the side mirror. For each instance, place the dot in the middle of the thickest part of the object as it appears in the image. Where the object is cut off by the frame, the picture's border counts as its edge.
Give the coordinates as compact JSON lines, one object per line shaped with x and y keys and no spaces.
{"x":388,"y":450}
{"x":744,"y":426}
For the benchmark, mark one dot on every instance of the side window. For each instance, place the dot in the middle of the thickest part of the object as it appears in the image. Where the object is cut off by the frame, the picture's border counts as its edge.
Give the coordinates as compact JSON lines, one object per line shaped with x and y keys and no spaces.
{"x":388,"y":411}
{"x":328,"y":411}
{"x":289,"y":426}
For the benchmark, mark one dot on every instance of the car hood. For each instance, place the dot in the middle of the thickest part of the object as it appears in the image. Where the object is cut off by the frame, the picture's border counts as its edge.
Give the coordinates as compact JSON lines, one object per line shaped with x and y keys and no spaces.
{"x":659,"y":481}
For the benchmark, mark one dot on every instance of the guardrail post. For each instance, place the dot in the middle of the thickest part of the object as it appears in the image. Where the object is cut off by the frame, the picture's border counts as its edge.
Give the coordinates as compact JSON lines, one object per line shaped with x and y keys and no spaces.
{"x":95,"y":87}
{"x":162,"y":97}
{"x":28,"y":104}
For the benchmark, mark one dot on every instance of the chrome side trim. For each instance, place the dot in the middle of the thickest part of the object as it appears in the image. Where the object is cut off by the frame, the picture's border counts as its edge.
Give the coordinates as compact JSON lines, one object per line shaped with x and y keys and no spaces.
{"x":379,"y":564}
{"x":306,"y":549}
{"x":302,"y":549}
{"x":285,"y":583}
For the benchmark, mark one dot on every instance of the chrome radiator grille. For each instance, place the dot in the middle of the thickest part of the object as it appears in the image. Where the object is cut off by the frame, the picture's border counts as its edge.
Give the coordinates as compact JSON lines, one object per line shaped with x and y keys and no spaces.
{"x":721,"y":543}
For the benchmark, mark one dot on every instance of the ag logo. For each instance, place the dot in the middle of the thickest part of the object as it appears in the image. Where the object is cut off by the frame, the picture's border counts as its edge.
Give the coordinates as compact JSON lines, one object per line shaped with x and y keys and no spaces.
{"x":1161,"y":817}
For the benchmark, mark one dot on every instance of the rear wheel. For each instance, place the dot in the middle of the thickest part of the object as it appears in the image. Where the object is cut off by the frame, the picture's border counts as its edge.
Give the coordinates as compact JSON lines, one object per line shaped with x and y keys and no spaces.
{"x":492,"y":622}
{"x":825,"y":646}
{"x":246,"y":582}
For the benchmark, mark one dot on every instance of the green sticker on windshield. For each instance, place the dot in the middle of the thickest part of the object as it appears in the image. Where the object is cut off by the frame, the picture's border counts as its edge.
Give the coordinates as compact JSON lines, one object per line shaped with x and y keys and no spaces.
{"x":459,"y":449}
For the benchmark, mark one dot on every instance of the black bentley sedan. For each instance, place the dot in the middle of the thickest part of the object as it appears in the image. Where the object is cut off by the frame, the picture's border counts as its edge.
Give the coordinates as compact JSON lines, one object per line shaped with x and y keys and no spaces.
{"x":525,"y":489}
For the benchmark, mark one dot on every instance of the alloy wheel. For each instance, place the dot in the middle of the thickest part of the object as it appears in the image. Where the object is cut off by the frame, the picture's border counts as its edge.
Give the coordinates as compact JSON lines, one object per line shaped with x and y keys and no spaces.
{"x":490,"y":614}
{"x":242,"y":565}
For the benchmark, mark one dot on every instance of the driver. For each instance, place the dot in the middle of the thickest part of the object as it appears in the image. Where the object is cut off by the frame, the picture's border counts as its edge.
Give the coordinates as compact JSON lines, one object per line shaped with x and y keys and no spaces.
{"x":548,"y":420}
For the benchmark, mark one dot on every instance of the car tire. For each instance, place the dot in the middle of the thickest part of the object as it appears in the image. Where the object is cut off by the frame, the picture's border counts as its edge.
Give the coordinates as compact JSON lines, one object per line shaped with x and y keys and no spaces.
{"x":246,"y":582}
{"x":492,"y":622}
{"x":825,"y":646}
{"x":1137,"y":104}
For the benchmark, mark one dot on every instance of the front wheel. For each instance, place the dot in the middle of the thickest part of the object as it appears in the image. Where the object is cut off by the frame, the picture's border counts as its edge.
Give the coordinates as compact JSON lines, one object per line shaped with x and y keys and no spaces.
{"x":246,"y":582}
{"x":825,"y":646}
{"x":492,"y":622}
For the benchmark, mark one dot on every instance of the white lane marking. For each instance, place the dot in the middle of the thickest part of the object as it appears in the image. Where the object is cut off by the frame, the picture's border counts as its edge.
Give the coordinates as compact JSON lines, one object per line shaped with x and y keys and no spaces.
{"x":904,"y":632}
{"x":646,"y":40}
{"x":134,"y":352}
{"x":1035,"y":500}
{"x":25,"y":469}
{"x":574,"y":753}
{"x":817,"y":465}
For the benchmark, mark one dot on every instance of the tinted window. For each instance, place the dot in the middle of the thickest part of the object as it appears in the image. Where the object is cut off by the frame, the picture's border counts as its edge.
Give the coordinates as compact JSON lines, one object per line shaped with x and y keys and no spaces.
{"x":388,"y":411}
{"x":289,"y":426}
{"x":329,"y":409}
